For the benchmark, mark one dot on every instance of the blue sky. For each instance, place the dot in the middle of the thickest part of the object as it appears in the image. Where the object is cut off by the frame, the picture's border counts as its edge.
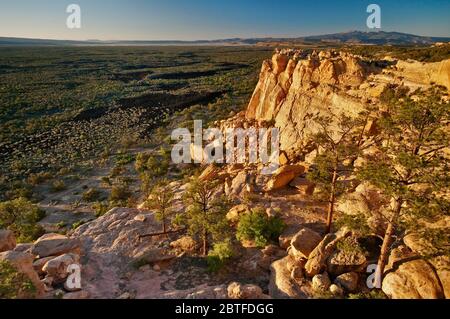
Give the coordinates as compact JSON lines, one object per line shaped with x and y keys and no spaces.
{"x":214,"y":19}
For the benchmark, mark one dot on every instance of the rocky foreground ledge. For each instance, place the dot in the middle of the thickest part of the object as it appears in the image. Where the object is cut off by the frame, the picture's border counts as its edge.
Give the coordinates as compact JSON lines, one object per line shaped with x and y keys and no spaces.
{"x":304,"y":263}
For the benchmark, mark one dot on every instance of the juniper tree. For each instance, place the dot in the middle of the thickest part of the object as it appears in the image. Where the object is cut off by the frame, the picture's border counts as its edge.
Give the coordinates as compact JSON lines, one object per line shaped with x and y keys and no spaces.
{"x":412,"y":167}
{"x":161,"y":200}
{"x":206,"y":213}
{"x":339,"y":142}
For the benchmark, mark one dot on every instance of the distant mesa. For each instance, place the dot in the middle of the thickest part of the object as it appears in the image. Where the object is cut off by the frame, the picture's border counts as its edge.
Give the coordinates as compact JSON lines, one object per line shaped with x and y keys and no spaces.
{"x":356,"y":37}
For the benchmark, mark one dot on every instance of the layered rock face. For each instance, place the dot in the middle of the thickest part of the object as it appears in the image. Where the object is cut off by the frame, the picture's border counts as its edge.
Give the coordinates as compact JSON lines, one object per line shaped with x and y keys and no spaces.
{"x":294,"y":88}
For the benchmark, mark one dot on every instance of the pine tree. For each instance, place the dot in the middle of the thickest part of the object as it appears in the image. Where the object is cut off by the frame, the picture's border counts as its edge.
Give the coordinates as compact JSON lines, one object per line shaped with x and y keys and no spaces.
{"x":206,"y":213}
{"x":412,"y":167}
{"x":161,"y":200}
{"x":339,"y":142}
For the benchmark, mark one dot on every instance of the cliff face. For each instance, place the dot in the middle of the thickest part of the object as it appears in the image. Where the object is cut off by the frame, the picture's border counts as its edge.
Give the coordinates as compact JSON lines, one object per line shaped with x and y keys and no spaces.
{"x":295,"y":87}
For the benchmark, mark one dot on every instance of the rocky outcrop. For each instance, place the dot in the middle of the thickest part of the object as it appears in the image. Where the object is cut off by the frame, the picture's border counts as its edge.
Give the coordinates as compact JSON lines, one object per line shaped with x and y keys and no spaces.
{"x":317,"y":262}
{"x":295,"y":87}
{"x":282,"y":286}
{"x":410,"y":276}
{"x":55,"y":245}
{"x":284,"y":175}
{"x":414,"y":279}
{"x":421,"y":73}
{"x":57,"y":268}
{"x":304,"y":242}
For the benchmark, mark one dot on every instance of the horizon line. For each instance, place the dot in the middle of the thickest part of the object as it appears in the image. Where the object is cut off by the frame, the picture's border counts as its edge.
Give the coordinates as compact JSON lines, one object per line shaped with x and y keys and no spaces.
{"x":216,"y":39}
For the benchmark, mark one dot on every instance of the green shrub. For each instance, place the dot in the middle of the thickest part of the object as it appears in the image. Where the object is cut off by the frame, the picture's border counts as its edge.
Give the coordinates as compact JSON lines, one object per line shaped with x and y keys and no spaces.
{"x":120,"y":192}
{"x":19,"y":190}
{"x":258,"y":227}
{"x":100,"y":208}
{"x":357,"y":223}
{"x":14,"y":284}
{"x":21,"y":217}
{"x":219,"y":255}
{"x":77,"y":224}
{"x":58,"y":186}
{"x":91,"y":195}
{"x":124,"y":159}
{"x":39,"y":178}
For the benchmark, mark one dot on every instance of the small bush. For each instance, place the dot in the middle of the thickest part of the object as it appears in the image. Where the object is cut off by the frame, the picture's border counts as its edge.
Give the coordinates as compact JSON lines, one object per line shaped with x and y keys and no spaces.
{"x":58,"y":186}
{"x":77,"y":224}
{"x":13,"y":284}
{"x":106,"y":180}
{"x":120,"y":192}
{"x":258,"y":227}
{"x":100,"y":208}
{"x":21,"y":217}
{"x":219,"y":255}
{"x":39,"y":178}
{"x":91,"y":195}
{"x":124,"y":159}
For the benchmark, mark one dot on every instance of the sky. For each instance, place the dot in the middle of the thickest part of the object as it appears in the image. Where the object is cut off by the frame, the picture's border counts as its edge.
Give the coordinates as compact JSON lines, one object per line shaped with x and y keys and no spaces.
{"x":214,"y":19}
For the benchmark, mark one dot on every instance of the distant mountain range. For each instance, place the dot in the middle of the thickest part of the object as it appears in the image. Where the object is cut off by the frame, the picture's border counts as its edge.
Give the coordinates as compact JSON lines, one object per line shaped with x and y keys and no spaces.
{"x":353,"y":37}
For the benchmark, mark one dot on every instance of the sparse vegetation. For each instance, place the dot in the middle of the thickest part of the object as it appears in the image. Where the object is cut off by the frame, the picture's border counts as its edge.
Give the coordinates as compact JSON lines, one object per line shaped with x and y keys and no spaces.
{"x":256,"y":226}
{"x":58,"y":186}
{"x":91,"y":195}
{"x":161,"y":200}
{"x":14,"y":284}
{"x":337,"y":145}
{"x":21,"y":217}
{"x":219,"y":255}
{"x":206,"y":214}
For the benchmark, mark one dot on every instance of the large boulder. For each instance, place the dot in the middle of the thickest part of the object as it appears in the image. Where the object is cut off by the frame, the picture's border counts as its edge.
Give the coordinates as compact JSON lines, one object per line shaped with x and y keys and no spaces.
{"x":304,"y":242}
{"x":282,"y":286}
{"x":57,"y":268}
{"x":348,"y":281}
{"x":157,"y":255}
{"x":321,"y":282}
{"x":304,"y":186}
{"x":23,"y":263}
{"x":344,"y":261}
{"x":284,"y":175}
{"x":317,"y":262}
{"x":442,"y":266}
{"x":210,"y":173}
{"x":413,"y":279}
{"x":185,"y":244}
{"x":7,"y":240}
{"x":24,"y":248}
{"x":286,"y":236}
{"x":39,"y":264}
{"x":238,"y":184}
{"x":55,"y":245}
{"x":240,"y":291}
